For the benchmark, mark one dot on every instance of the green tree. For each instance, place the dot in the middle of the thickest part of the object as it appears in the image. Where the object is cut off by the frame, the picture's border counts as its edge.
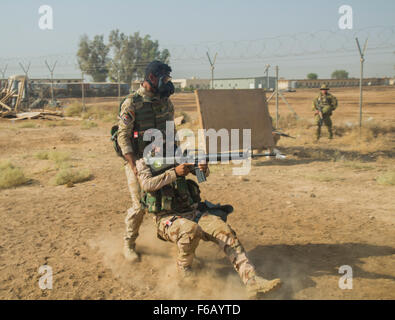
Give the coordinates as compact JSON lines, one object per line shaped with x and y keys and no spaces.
{"x":312,"y":76}
{"x":93,"y":57}
{"x":340,"y":74}
{"x":131,"y":55}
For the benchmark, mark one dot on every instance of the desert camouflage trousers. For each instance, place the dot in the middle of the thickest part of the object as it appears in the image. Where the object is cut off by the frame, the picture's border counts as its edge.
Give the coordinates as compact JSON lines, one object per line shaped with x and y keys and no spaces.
{"x":135,"y":215}
{"x":186,"y":234}
{"x":327,"y":121}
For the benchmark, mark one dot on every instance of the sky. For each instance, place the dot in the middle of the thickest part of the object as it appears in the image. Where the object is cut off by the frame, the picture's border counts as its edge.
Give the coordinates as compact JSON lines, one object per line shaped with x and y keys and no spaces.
{"x":298,"y":36}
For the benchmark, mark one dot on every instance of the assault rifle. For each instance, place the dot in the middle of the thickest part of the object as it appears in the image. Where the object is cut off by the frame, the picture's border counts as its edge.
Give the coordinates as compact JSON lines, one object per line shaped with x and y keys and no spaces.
{"x":282,"y":134}
{"x":159,"y":165}
{"x":320,"y":113}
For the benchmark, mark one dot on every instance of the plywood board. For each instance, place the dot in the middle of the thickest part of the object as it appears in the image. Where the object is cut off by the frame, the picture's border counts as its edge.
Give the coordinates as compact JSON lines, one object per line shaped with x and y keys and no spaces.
{"x":236,"y":109}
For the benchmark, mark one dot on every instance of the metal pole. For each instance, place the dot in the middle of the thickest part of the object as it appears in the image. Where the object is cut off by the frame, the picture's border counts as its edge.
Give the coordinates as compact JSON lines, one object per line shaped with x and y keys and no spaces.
{"x":212,"y":77}
{"x":83,"y":93}
{"x":362,"y":54}
{"x":119,"y":88}
{"x":26,"y":71}
{"x":52,"y":96}
{"x":361,"y":94}
{"x":277,"y":116}
{"x":212,"y":64}
{"x":51,"y":70}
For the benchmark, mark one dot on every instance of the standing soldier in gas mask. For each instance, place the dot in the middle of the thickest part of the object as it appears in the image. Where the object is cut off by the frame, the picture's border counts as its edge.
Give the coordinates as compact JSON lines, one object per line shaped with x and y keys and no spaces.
{"x":149,"y":107}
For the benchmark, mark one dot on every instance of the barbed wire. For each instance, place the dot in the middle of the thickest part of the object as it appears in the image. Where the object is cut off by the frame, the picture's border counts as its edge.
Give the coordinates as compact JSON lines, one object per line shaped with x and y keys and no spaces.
{"x":323,"y":44}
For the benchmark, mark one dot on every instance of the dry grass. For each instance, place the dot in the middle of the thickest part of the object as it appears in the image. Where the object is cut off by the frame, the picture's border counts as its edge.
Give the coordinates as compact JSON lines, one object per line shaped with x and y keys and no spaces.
{"x":387,"y":178}
{"x":348,"y":140}
{"x":11,"y":176}
{"x":57,"y":156}
{"x":291,"y":121}
{"x":104,"y":113}
{"x":28,"y":125}
{"x":73,"y":110}
{"x":357,"y":165}
{"x":88,"y":125}
{"x":68,"y":176}
{"x":61,"y":123}
{"x":324,"y":178}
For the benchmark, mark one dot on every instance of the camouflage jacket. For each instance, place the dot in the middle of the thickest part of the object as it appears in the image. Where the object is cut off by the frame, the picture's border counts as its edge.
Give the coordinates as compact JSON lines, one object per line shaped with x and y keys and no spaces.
{"x":151,"y":183}
{"x":131,"y":118}
{"x":328,"y":103}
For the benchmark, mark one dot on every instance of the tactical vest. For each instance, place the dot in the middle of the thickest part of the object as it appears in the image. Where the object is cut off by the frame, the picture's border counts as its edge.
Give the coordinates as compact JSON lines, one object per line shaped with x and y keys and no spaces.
{"x":148,"y":115}
{"x":326,"y":104}
{"x":325,"y":100}
{"x":179,"y":197}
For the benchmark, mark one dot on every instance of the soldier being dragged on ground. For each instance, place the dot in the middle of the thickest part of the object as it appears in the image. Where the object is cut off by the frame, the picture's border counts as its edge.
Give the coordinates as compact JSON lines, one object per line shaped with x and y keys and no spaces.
{"x":183,"y":219}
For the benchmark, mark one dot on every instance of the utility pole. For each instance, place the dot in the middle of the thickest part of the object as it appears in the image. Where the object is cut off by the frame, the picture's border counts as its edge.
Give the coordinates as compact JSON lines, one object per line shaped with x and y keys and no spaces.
{"x":362,"y":54}
{"x":278,"y":94}
{"x":277,"y":116}
{"x":212,"y":64}
{"x":51,"y":70}
{"x":83,"y":92}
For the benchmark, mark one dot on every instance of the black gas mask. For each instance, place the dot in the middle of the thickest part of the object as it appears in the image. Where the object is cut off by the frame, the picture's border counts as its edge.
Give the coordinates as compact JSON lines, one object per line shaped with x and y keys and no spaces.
{"x":165,"y":88}
{"x":161,"y":71}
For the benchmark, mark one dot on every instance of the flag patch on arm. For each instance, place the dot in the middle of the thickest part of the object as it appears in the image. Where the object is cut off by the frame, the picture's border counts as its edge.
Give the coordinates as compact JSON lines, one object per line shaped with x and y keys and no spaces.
{"x":127,"y":118}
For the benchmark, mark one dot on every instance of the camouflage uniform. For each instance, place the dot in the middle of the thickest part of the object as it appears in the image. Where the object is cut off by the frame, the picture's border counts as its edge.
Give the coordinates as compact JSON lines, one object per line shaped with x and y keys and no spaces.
{"x":181,"y":228}
{"x":141,"y":111}
{"x":328,"y":103}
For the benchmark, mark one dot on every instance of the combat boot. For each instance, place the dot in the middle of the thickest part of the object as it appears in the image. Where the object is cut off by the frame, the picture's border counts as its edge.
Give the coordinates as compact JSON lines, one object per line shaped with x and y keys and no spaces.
{"x":258,"y":285}
{"x":129,"y":251}
{"x":186,"y":277}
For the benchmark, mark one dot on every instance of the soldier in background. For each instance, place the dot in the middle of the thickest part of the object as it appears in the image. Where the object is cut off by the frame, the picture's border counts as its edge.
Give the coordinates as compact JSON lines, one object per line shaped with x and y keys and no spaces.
{"x":181,"y":218}
{"x":149,"y":107}
{"x":323,"y":106}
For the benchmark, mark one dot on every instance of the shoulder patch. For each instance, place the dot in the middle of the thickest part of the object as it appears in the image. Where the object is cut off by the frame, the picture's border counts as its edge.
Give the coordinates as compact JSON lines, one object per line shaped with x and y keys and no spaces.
{"x":127,"y":117}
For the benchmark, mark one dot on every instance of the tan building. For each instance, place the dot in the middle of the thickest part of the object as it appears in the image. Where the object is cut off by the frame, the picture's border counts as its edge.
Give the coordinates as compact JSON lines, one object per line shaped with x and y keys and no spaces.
{"x":193,"y":83}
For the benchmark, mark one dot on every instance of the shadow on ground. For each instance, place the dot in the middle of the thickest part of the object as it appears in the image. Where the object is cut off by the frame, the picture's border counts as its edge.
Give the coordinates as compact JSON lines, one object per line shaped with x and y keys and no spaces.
{"x":296,"y":265}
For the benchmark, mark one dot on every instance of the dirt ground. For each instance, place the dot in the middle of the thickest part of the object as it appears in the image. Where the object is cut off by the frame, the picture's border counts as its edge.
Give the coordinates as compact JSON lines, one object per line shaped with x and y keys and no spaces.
{"x":299,"y":219}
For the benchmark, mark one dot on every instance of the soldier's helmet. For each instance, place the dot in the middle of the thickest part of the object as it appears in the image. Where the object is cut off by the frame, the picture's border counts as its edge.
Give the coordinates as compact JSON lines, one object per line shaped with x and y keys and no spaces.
{"x":324,"y":87}
{"x":157,"y":68}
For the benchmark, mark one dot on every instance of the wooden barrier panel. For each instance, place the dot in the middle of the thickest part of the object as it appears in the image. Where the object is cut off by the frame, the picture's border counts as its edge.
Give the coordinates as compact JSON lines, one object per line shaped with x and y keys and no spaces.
{"x":236,"y":109}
